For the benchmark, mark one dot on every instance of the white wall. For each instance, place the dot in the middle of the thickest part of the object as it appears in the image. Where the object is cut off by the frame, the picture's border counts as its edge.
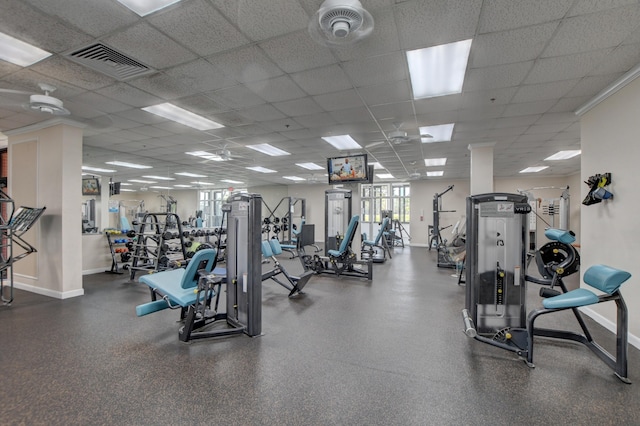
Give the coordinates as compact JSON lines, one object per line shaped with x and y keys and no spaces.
{"x":610,"y":231}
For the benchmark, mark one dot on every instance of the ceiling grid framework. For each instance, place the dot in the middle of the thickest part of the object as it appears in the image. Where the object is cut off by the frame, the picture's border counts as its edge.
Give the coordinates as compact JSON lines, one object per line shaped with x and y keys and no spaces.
{"x":253,"y":67}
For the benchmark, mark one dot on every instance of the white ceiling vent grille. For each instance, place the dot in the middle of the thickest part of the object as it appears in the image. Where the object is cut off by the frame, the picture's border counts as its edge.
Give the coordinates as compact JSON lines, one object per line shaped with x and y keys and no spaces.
{"x":108,"y":61}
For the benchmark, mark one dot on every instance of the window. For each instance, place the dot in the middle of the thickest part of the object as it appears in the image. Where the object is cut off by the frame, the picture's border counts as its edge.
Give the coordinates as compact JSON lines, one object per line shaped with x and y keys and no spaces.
{"x":381,"y":197}
{"x":211,"y":202}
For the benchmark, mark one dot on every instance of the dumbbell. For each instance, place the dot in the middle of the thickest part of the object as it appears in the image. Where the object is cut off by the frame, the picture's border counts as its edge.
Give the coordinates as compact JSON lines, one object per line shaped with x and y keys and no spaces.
{"x":131,"y":233}
{"x":276,"y":229}
{"x":276,"y":220}
{"x":125,"y":257}
{"x":265,"y":229}
{"x":285,"y":227}
{"x":285,"y":220}
{"x":266,"y":221}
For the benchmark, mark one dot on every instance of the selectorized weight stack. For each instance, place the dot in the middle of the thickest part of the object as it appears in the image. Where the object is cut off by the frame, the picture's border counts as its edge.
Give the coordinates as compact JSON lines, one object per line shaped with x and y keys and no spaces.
{"x":337,"y":217}
{"x":244,"y":262}
{"x":496,"y":261}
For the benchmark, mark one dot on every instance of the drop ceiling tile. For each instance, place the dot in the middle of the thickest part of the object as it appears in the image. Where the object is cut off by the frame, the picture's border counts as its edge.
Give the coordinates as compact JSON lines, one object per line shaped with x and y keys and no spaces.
{"x":316,"y":120}
{"x":482,"y":98}
{"x":200,"y":104}
{"x":543,"y":91}
{"x":163,"y":86}
{"x":246,"y":64}
{"x":565,"y":67}
{"x":500,"y":15}
{"x":528,"y":108}
{"x":621,"y":60}
{"x":474,"y":114}
{"x":297,"y":52}
{"x":436,"y":22}
{"x":519,"y":45}
{"x":593,"y":32}
{"x":559,"y":117}
{"x":260,"y":113}
{"x":339,"y":100}
{"x":547,"y":128}
{"x":505,"y":132}
{"x":351,"y":115}
{"x":591,"y":86}
{"x":399,"y":111}
{"x":140,"y":116}
{"x":19,"y":20}
{"x":72,"y":73}
{"x":129,"y":95}
{"x":443,"y":117}
{"x":284,"y":125}
{"x":200,"y":26}
{"x":583,"y":7}
{"x":570,"y":104}
{"x":383,"y":39}
{"x":302,"y":106}
{"x":437,"y":104}
{"x":396,"y":91}
{"x":236,"y":97}
{"x":95,"y":103}
{"x":260,"y":20}
{"x":377,"y":70}
{"x":497,"y":77}
{"x":149,"y":46}
{"x":277,"y":89}
{"x":88,"y":16}
{"x":322,"y":80}
{"x":201,"y":76}
{"x":519,"y":121}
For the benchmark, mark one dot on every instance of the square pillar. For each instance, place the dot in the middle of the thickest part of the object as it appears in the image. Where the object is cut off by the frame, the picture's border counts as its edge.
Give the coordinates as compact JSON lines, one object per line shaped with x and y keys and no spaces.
{"x":481,"y":181}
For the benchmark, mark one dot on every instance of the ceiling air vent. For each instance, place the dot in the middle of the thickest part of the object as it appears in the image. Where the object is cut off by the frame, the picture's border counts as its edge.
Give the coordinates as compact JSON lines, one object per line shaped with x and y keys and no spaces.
{"x":106,"y":60}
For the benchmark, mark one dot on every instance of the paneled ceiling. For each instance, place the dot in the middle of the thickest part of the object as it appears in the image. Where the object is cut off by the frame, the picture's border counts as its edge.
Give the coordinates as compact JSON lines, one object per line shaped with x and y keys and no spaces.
{"x":252,"y":66}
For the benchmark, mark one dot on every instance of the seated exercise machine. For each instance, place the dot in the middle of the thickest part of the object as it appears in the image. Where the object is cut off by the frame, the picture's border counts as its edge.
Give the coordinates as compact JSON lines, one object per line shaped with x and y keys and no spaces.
{"x":270,"y":249}
{"x":496,"y":283}
{"x":341,"y":261}
{"x":192,"y":289}
{"x":377,"y":249}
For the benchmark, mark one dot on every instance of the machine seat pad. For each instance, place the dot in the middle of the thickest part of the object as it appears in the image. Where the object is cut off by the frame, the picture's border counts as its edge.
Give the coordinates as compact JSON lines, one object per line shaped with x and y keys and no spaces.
{"x":169,"y":284}
{"x":334,"y":253}
{"x":572,"y":299}
{"x":266,"y":249}
{"x":605,"y":278}
{"x":566,"y":237}
{"x":369,"y":243}
{"x":288,"y":246}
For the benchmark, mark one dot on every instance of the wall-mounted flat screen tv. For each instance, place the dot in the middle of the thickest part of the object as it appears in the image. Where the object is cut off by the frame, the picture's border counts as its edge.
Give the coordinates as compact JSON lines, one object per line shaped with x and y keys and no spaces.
{"x":90,"y":186}
{"x":349,"y":168}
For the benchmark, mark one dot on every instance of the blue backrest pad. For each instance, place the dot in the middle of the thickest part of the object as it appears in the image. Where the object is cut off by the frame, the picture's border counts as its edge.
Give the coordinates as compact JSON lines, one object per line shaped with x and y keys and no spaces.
{"x":276,"y":248}
{"x":203,"y":259}
{"x":605,"y":278}
{"x":266,"y":249}
{"x":348,"y":236}
{"x":383,"y":226}
{"x":561,"y":235}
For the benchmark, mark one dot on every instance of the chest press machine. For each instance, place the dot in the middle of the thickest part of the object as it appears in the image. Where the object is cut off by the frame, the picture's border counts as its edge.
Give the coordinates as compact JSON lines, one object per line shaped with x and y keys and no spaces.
{"x":194,"y":288}
{"x":495,"y":311}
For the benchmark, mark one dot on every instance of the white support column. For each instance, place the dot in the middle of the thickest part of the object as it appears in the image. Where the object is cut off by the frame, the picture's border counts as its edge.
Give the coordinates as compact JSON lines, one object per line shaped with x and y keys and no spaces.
{"x":45,"y":162}
{"x":481,"y":181}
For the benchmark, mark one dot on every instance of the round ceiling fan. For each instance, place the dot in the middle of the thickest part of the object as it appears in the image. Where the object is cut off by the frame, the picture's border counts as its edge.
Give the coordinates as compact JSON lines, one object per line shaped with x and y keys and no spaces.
{"x":340,"y":23}
{"x":47,"y":104}
{"x":398,"y":136}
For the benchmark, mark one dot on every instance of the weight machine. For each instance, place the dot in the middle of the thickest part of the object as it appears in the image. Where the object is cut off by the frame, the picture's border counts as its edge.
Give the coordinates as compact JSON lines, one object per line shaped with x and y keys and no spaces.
{"x":552,"y":207}
{"x":434,"y":230}
{"x":194,"y":288}
{"x":496,"y":279}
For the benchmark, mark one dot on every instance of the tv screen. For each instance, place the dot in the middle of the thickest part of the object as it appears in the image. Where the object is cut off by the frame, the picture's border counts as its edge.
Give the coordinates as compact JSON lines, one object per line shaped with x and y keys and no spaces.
{"x":114,"y":188}
{"x":350,"y":168}
{"x":90,"y":186}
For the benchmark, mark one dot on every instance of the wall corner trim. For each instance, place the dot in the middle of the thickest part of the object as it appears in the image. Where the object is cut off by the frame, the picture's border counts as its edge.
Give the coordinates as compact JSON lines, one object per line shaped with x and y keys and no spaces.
{"x":610,"y":90}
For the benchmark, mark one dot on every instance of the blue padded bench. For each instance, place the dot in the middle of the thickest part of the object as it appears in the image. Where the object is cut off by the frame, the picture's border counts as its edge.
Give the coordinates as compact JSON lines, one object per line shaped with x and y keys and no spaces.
{"x":272,"y":248}
{"x":348,"y":238}
{"x":381,"y":242}
{"x":177,"y":287}
{"x":605,"y":279}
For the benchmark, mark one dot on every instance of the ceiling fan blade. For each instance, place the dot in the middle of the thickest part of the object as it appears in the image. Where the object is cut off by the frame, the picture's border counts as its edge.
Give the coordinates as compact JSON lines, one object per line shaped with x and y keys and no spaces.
{"x":374,"y":144}
{"x":15,"y":92}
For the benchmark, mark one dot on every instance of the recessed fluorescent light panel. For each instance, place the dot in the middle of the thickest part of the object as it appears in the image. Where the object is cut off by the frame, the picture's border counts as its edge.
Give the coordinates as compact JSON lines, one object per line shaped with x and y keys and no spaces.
{"x":145,"y":7}
{"x":97,"y":169}
{"x":20,"y":53}
{"x":534,"y":169}
{"x":385,"y":176}
{"x":182,"y":116}
{"x":160,"y":187}
{"x":564,"y":155}
{"x":125,"y":164}
{"x":438,"y":70}
{"x":141,"y":181}
{"x":294,"y":178}
{"x":437,"y":173}
{"x":202,"y":183}
{"x":265,"y":148}
{"x":261,"y":169}
{"x":440,"y":133}
{"x":124,"y":183}
{"x":230,"y":181}
{"x":342,"y":142}
{"x":182,"y":186}
{"x":159,"y":177}
{"x":310,"y":166}
{"x":187,"y":174}
{"x":127,"y":190}
{"x":431,"y":162}
{"x":376,"y":166}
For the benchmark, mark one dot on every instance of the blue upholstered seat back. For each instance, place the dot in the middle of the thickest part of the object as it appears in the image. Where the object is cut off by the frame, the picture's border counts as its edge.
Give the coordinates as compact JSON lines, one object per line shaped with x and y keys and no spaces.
{"x":348,"y":236}
{"x":266,"y":249}
{"x":276,"y":248}
{"x":605,"y":278}
{"x":566,"y":237}
{"x":203,"y":259}
{"x":383,"y":226}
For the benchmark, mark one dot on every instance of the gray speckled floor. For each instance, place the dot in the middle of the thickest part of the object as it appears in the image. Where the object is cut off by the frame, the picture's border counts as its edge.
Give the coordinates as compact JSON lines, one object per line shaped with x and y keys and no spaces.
{"x":349,"y":352}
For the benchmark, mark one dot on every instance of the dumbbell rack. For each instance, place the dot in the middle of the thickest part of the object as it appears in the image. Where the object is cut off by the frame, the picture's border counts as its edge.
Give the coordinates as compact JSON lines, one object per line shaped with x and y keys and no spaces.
{"x":13,"y":225}
{"x":114,"y":246}
{"x":150,"y":248}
